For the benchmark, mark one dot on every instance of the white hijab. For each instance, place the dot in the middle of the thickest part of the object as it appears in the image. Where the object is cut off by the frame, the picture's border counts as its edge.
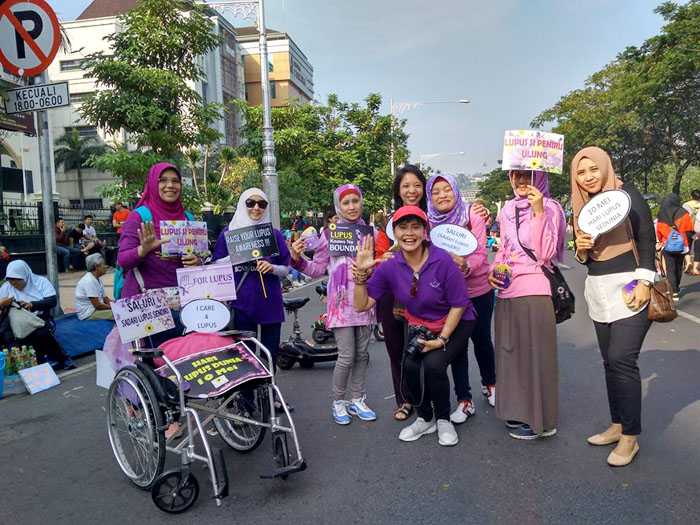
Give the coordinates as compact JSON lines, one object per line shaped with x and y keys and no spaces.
{"x":36,"y":289}
{"x":241,"y":219}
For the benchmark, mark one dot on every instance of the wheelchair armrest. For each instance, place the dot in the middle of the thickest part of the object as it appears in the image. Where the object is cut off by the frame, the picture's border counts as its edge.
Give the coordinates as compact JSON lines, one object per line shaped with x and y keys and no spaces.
{"x":148,"y":352}
{"x":238,"y":334}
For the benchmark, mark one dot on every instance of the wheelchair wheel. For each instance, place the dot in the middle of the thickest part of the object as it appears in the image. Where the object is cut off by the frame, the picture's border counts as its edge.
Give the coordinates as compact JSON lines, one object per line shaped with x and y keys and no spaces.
{"x":175,"y":492}
{"x":244,"y":437}
{"x":135,"y":427}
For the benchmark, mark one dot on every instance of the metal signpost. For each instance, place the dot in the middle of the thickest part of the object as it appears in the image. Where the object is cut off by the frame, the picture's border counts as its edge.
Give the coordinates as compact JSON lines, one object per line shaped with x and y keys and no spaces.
{"x":30,"y":36}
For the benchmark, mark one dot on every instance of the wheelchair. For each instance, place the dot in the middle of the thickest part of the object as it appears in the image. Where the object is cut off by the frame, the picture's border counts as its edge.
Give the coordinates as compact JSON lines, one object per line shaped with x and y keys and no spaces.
{"x":144,"y":400}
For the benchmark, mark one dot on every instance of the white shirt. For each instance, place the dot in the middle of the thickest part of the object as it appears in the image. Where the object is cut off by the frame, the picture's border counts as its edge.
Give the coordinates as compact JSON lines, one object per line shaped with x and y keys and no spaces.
{"x":89,"y":232}
{"x":88,"y":286}
{"x":603,"y":295}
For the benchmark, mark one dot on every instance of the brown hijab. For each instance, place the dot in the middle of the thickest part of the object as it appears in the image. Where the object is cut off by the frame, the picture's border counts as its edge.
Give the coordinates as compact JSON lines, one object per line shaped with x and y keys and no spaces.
{"x":616,"y":241}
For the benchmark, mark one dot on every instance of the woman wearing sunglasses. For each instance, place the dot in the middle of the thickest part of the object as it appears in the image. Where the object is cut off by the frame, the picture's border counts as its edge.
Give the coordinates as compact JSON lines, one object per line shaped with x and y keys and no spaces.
{"x":251,"y":308}
{"x":352,"y":329}
{"x":425,"y":279}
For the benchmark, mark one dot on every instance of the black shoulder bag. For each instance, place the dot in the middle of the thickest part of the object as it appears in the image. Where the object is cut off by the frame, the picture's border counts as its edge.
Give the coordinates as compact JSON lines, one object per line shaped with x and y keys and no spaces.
{"x":562,"y":298}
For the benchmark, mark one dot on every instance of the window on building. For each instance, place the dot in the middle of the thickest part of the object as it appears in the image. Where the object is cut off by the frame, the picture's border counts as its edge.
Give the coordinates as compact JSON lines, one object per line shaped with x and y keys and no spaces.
{"x":84,"y":131}
{"x":205,"y":92}
{"x":90,"y":204}
{"x":273,"y":89}
{"x":71,"y":65}
{"x":77,"y":98}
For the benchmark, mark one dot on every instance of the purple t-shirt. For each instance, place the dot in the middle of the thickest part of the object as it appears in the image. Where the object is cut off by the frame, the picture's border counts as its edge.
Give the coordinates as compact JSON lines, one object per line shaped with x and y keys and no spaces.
{"x":441,"y":286}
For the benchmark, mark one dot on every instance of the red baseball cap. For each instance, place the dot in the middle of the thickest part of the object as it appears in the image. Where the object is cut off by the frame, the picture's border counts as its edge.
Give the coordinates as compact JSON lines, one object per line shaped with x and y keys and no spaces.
{"x":409,"y":211}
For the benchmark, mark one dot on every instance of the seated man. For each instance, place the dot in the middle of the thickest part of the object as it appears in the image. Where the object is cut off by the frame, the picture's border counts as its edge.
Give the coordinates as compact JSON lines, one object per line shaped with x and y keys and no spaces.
{"x":90,"y":299}
{"x":65,"y":252}
{"x":89,"y":243}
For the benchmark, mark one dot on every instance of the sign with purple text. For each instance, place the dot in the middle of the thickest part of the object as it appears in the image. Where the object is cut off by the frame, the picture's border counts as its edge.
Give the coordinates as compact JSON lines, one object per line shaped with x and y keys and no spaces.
{"x":184,"y":238}
{"x":527,"y":149}
{"x":212,"y":372}
{"x":142,"y":315}
{"x":213,"y":281}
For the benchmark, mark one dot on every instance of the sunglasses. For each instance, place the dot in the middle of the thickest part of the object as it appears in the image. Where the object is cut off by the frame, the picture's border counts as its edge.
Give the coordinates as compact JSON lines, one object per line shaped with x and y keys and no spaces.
{"x":414,"y":284}
{"x":250,"y":203}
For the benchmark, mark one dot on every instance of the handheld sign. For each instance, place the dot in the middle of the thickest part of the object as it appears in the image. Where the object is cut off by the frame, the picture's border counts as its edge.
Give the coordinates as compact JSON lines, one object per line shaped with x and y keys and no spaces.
{"x":184,"y":238}
{"x":344,"y":238}
{"x":39,"y":378}
{"x":214,"y":281}
{"x":525,"y":149}
{"x":205,"y":316}
{"x":390,"y":230}
{"x":251,"y":243}
{"x":142,"y":315}
{"x":454,"y":239}
{"x":212,"y":372}
{"x":604,"y":212}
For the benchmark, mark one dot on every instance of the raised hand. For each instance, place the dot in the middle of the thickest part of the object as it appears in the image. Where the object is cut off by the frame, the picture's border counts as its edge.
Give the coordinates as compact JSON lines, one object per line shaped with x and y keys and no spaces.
{"x":147,"y":239}
{"x":297,"y":249}
{"x":536,"y":199}
{"x":364,"y":260}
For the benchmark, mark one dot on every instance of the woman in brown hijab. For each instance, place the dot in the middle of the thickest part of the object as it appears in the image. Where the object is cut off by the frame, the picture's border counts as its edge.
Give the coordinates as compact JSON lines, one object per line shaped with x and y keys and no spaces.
{"x":617,"y":292}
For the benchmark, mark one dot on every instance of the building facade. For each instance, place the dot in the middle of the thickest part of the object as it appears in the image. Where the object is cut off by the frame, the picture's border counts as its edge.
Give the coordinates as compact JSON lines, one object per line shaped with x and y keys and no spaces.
{"x":291,"y":74}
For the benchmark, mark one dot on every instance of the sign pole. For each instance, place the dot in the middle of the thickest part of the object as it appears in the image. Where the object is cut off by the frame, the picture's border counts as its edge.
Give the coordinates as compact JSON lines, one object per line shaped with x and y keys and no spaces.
{"x":47,"y":199}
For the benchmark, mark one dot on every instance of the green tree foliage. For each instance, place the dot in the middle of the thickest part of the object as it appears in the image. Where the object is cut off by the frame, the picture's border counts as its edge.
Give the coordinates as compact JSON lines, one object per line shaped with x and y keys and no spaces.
{"x":144,"y":82}
{"x":74,"y":152}
{"x":319,"y":147}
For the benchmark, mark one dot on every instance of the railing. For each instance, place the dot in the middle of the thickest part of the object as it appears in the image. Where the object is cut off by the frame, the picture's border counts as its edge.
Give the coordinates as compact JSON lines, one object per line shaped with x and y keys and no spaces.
{"x":22,"y":218}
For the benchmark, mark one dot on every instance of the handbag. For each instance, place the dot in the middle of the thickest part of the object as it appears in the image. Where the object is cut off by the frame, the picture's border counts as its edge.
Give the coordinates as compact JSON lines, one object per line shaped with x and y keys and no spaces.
{"x":563,"y":299}
{"x":23,"y":322}
{"x":661,"y":308}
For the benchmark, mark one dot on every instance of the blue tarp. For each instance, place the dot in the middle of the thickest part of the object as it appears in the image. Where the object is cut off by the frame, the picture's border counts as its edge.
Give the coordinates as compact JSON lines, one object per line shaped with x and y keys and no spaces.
{"x":81,"y":337}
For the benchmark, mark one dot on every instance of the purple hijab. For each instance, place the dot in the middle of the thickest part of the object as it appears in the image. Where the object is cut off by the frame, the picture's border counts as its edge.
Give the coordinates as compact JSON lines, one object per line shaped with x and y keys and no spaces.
{"x":541,"y":182}
{"x":161,"y":210}
{"x":457,"y":215}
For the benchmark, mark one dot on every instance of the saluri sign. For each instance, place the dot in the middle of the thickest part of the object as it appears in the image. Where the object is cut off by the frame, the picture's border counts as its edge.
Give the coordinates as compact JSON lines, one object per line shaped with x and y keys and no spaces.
{"x":251,"y":243}
{"x":214,"y":281}
{"x":454,"y":239}
{"x":344,"y":238}
{"x":142,"y":315}
{"x":604,"y":212}
{"x":35,"y":98}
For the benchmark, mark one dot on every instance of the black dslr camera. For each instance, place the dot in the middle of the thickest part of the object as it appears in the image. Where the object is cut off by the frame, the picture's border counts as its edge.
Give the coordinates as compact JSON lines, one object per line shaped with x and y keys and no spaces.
{"x":413,"y":348}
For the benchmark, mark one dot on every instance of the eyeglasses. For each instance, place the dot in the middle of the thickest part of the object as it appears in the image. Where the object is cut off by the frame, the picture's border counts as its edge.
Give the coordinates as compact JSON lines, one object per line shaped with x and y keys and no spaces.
{"x":414,"y":284}
{"x":250,"y":203}
{"x":165,"y":182}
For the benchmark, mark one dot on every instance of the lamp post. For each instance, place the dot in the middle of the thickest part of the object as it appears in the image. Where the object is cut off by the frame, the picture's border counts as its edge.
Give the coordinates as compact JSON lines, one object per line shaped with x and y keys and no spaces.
{"x":402,"y":107}
{"x":246,"y":9}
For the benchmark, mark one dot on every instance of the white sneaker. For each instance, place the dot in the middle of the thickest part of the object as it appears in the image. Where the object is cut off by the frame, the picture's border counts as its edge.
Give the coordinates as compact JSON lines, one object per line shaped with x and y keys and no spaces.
{"x":489,"y":392}
{"x":416,"y":430}
{"x":464,"y":410}
{"x":447,"y":435}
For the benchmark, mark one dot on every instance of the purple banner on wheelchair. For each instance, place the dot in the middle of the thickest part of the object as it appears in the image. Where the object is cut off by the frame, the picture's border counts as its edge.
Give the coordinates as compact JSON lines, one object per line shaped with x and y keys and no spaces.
{"x":211,"y":373}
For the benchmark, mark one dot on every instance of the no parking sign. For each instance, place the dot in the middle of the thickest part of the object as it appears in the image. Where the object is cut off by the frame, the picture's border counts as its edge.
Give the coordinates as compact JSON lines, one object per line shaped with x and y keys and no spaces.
{"x":29,"y":36}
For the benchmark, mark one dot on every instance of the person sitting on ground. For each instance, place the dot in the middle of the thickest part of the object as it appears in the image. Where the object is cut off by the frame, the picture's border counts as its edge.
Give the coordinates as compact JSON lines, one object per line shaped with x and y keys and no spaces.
{"x":35,"y":294}
{"x":89,"y":243}
{"x":90,"y":300}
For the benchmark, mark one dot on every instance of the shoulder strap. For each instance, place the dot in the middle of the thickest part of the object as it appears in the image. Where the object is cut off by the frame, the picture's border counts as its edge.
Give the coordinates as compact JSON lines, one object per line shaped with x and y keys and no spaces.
{"x":144,"y":213}
{"x":189,"y":216}
{"x":528,"y":251}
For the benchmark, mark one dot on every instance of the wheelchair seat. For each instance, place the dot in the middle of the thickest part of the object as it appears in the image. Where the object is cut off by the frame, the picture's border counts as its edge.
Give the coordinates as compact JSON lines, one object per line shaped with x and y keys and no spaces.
{"x":294,"y":304}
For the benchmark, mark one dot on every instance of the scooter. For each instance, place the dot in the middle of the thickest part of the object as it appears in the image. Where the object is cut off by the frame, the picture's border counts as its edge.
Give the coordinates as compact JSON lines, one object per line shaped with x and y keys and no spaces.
{"x":297,"y":349}
{"x":323,"y":335}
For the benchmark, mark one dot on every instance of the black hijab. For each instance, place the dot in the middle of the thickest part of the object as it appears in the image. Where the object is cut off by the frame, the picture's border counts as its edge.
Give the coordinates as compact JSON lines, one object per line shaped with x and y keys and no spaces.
{"x":670,"y":209}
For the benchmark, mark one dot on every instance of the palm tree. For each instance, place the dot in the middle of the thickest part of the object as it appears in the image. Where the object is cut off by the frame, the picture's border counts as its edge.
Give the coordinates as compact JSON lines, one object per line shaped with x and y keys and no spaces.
{"x":73,"y":152}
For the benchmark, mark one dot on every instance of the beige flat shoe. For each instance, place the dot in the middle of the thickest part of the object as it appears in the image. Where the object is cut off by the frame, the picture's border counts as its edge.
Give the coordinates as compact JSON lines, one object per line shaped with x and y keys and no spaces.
{"x":600,"y":440}
{"x":616,"y":460}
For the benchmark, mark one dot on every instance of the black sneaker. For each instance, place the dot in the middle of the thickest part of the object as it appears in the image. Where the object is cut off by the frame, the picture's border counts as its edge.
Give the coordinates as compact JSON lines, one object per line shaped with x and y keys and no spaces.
{"x":525,"y":433}
{"x":511,"y":423}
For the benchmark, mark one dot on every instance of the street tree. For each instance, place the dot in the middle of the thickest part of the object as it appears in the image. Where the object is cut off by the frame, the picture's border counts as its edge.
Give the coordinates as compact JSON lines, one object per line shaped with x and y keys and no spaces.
{"x":74,"y":152}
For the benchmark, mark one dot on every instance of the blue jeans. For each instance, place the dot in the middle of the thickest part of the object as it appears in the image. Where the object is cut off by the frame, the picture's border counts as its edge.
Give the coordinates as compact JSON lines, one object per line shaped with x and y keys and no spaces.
{"x":483,"y":349}
{"x":64,"y":254}
{"x":269,"y":333}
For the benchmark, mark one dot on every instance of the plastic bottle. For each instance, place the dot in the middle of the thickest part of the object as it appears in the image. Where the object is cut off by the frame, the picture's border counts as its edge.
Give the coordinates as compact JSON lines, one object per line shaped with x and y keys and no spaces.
{"x":32,"y":356}
{"x":8,"y":363}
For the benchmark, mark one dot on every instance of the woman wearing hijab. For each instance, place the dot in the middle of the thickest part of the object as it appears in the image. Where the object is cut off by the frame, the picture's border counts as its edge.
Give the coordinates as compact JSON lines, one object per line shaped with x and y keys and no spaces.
{"x":35,"y":294}
{"x":533,"y":230}
{"x":139,"y":243}
{"x":352,"y":329}
{"x":675,"y":231}
{"x":445,"y":206}
{"x":617,"y":292}
{"x":252,"y":308}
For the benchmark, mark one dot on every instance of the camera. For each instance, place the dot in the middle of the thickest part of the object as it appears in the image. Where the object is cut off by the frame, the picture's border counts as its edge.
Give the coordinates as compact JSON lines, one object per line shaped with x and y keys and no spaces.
{"x":413,"y":347}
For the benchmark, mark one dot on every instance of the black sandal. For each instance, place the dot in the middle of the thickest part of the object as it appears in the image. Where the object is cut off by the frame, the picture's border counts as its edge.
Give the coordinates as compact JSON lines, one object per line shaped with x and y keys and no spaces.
{"x":403,"y":412}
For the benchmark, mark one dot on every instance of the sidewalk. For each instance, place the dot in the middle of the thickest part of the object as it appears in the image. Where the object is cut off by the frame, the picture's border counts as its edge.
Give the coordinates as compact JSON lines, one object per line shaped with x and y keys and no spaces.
{"x":67,"y":282}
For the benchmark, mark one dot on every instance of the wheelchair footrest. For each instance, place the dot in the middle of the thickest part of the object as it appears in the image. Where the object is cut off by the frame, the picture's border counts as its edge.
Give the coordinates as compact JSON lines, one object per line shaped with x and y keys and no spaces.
{"x":286,"y":471}
{"x":221,"y":490}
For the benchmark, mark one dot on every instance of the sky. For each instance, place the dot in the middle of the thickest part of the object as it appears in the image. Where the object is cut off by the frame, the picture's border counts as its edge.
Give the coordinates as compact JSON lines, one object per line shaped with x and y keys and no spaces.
{"x":510,"y":58}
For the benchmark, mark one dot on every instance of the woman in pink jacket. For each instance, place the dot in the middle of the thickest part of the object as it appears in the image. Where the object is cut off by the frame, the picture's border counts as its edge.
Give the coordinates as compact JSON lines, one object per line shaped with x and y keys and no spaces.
{"x":352,"y":329}
{"x":533,"y":231}
{"x":445,"y":206}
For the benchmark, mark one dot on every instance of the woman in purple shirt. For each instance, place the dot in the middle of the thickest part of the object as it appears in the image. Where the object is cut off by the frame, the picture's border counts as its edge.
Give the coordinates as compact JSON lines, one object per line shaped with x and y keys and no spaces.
{"x":425,"y":279}
{"x":251,"y":308}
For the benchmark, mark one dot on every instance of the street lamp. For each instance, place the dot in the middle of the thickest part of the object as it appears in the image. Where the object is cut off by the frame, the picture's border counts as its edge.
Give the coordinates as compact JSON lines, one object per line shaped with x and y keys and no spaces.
{"x":246,"y":9}
{"x":402,"y":107}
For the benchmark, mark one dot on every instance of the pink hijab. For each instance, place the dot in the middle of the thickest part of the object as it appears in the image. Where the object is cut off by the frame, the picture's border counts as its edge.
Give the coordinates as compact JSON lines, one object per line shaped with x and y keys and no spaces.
{"x":161,"y":210}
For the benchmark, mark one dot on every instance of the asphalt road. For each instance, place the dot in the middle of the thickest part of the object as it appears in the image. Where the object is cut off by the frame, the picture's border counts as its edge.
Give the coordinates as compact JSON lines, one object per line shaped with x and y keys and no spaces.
{"x":57,"y":466}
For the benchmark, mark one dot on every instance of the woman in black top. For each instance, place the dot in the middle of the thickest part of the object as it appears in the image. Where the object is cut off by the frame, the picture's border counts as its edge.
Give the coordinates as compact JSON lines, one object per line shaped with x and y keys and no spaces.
{"x":621,"y":270}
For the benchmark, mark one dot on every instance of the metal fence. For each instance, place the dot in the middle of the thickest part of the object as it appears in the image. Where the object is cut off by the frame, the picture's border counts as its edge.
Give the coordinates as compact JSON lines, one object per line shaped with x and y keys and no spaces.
{"x":22,"y":218}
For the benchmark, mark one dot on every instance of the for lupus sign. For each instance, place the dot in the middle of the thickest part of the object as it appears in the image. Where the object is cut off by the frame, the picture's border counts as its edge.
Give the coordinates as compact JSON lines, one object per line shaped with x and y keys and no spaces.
{"x":213,"y":281}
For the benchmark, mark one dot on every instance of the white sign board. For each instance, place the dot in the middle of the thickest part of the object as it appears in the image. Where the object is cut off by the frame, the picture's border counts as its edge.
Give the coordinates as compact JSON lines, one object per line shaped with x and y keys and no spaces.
{"x":605,"y":211}
{"x":35,"y":98}
{"x":205,"y":315}
{"x":213,"y":281}
{"x":142,"y":315}
{"x":390,"y":229}
{"x":454,"y":239}
{"x":39,"y":378}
